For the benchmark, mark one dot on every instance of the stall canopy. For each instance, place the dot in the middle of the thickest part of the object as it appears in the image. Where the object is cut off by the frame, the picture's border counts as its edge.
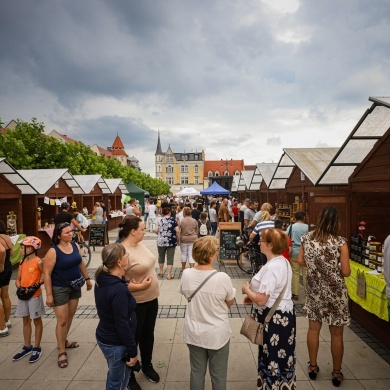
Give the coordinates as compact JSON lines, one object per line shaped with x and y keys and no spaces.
{"x":43,"y":179}
{"x":188,"y":191}
{"x":113,"y":184}
{"x":215,"y":189}
{"x":267,"y":171}
{"x":133,"y":189}
{"x":88,"y":182}
{"x":12,"y":175}
{"x":371,"y":127}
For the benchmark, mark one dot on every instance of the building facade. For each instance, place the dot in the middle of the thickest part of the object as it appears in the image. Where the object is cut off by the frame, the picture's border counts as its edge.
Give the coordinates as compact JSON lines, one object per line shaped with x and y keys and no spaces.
{"x":179,"y":170}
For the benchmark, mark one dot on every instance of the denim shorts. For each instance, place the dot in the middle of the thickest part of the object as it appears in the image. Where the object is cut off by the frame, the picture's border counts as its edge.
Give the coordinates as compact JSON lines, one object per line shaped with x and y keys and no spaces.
{"x":62,"y":295}
{"x":118,"y":374}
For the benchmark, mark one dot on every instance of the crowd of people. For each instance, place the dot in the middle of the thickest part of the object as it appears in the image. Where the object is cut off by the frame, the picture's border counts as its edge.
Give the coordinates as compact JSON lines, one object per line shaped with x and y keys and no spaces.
{"x":127,"y":289}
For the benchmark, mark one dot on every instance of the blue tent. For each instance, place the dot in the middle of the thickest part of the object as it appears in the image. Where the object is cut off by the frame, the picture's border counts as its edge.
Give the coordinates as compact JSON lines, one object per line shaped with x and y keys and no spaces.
{"x":215,"y":189}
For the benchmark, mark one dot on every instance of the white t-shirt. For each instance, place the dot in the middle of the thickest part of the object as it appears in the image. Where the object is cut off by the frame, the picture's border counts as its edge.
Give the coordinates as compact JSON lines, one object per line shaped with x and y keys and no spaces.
{"x":206,"y":323}
{"x":213,"y":215}
{"x":271,"y":280}
{"x":152,"y":211}
{"x":179,"y":217}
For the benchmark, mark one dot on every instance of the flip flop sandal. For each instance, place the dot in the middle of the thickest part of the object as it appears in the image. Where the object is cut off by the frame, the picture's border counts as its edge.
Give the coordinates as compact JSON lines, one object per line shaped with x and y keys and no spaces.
{"x":64,"y":362}
{"x":73,"y":344}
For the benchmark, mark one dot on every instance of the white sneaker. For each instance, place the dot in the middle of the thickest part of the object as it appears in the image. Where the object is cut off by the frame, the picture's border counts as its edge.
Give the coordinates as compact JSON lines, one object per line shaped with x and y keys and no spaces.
{"x":8,"y":324}
{"x":4,"y":332}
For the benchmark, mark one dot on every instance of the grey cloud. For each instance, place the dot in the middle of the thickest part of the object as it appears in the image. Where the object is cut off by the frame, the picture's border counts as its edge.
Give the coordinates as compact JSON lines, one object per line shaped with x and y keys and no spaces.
{"x":274,"y":141}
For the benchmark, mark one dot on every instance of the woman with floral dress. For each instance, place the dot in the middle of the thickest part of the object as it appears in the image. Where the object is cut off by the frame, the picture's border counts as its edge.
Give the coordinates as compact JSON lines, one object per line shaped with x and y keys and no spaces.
{"x":276,"y":362}
{"x":326,"y":256}
{"x":167,"y":240}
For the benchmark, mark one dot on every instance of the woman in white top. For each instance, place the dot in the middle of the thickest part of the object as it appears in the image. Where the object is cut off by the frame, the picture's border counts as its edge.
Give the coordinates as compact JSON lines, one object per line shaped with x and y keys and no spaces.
{"x":276,"y":363}
{"x":206,"y":327}
{"x":98,"y":213}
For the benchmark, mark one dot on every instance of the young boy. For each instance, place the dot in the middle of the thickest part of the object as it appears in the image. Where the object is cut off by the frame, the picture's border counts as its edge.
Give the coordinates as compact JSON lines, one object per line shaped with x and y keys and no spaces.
{"x":30,"y":273}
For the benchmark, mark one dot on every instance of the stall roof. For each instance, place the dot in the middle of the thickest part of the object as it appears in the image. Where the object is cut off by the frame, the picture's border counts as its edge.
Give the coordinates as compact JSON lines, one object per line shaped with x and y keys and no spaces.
{"x":371,"y":127}
{"x":113,"y":184}
{"x":12,"y":175}
{"x":241,"y":183}
{"x":87,"y":182}
{"x":252,"y":179}
{"x":235,"y":183}
{"x":311,"y":161}
{"x":267,"y":171}
{"x":43,"y":179}
{"x":282,"y":173}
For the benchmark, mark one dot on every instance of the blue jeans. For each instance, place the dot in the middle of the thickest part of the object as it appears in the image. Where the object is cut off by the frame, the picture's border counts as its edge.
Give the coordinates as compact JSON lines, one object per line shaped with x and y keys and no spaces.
{"x":214,"y":227}
{"x":118,"y":374}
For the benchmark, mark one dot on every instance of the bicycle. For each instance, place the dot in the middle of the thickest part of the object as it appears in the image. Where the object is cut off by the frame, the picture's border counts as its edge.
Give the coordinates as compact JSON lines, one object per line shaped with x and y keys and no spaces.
{"x":249,"y":260}
{"x":85,"y":250}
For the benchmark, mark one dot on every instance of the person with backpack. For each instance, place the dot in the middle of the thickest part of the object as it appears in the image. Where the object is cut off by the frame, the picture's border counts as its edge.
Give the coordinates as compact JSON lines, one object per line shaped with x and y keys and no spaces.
{"x":204,"y":225}
{"x":30,"y":300}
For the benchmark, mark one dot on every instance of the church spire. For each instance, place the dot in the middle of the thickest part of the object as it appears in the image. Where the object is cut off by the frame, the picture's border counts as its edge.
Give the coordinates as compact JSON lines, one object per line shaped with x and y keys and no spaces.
{"x":158,"y":150}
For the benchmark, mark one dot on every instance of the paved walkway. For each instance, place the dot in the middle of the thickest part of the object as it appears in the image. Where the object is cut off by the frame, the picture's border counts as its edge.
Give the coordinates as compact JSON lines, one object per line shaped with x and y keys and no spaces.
{"x":366,"y":362}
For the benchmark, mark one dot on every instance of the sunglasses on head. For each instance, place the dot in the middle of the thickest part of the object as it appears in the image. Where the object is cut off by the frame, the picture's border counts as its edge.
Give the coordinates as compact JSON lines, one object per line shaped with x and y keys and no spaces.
{"x":62,"y":226}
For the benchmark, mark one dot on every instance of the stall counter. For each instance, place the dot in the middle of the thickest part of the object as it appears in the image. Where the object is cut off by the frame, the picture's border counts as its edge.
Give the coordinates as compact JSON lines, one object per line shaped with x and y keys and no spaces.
{"x":376,"y":300}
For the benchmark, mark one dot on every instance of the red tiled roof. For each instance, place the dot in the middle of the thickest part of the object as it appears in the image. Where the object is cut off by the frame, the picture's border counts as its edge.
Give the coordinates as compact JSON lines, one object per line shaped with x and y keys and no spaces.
{"x":118,"y":144}
{"x":106,"y":153}
{"x":218,"y":165}
{"x":67,"y":139}
{"x":118,"y":153}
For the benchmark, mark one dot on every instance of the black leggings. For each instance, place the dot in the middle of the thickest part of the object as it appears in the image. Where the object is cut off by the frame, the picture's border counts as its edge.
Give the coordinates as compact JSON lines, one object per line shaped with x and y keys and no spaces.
{"x":144,"y":335}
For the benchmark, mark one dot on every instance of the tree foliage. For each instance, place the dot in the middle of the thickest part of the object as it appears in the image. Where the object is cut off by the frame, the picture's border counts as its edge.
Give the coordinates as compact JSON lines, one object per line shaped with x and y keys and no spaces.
{"x":27,"y":147}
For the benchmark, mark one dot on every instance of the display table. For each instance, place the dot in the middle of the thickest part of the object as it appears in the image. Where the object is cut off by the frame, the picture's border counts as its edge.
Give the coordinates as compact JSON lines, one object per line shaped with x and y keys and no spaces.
{"x":17,"y":256}
{"x":376,"y":300}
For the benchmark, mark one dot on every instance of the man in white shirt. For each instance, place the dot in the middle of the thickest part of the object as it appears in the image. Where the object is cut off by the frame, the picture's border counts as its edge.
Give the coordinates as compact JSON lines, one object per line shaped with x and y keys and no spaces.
{"x":152,"y":215}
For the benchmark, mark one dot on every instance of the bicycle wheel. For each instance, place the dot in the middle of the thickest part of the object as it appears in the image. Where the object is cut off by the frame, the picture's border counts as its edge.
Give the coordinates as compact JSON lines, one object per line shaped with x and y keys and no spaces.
{"x":85,"y":253}
{"x":244,"y":261}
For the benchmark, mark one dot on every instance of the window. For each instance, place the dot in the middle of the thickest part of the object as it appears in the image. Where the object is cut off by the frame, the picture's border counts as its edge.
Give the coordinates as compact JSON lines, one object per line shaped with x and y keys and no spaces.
{"x":196,"y":157}
{"x":186,"y":168}
{"x":169,"y":180}
{"x":196,"y":169}
{"x":169,"y":169}
{"x":216,"y":173}
{"x":182,"y":168}
{"x":196,"y":180}
{"x":184,"y":180}
{"x":210,"y":173}
{"x":226,"y":173}
{"x":237,"y":172}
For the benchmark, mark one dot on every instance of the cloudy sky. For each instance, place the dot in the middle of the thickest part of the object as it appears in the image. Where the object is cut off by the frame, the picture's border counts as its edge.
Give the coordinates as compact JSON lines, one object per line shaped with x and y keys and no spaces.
{"x":240,"y":79}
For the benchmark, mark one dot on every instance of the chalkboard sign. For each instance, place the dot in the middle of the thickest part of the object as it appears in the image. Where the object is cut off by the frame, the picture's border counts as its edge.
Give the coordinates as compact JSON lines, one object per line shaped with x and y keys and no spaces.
{"x":98,"y":235}
{"x":228,"y":232}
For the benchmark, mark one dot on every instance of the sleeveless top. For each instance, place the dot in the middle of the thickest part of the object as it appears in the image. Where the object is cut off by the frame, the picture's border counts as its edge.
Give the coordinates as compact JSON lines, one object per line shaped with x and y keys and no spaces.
{"x":30,"y":274}
{"x":7,"y":253}
{"x":67,"y":266}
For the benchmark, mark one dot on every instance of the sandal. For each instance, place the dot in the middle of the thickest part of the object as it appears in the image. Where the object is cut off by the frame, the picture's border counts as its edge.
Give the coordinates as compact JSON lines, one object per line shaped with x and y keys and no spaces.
{"x":337,"y":378}
{"x":313,"y":371}
{"x":64,"y":362}
{"x":73,"y":344}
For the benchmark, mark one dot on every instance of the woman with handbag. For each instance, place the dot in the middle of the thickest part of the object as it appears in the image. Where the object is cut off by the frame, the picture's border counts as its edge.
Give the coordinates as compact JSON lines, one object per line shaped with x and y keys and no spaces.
{"x":326,"y":256}
{"x":206,"y":327}
{"x":64,"y":274}
{"x":276,"y":362}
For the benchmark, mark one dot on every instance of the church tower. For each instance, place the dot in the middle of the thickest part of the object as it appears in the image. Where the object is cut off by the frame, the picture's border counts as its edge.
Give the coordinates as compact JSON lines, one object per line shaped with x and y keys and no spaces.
{"x":159,"y":155}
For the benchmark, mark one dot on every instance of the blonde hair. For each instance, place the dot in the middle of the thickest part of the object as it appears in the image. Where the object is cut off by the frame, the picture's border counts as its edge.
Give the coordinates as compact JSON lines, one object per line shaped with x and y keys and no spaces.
{"x":111,"y":254}
{"x":203,"y":249}
{"x":266,"y":207}
{"x":186,"y":211}
{"x":265,"y":215}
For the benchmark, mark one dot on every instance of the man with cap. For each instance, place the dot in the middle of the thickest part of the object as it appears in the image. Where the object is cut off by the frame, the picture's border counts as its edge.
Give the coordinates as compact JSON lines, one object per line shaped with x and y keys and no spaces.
{"x":65,"y":216}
